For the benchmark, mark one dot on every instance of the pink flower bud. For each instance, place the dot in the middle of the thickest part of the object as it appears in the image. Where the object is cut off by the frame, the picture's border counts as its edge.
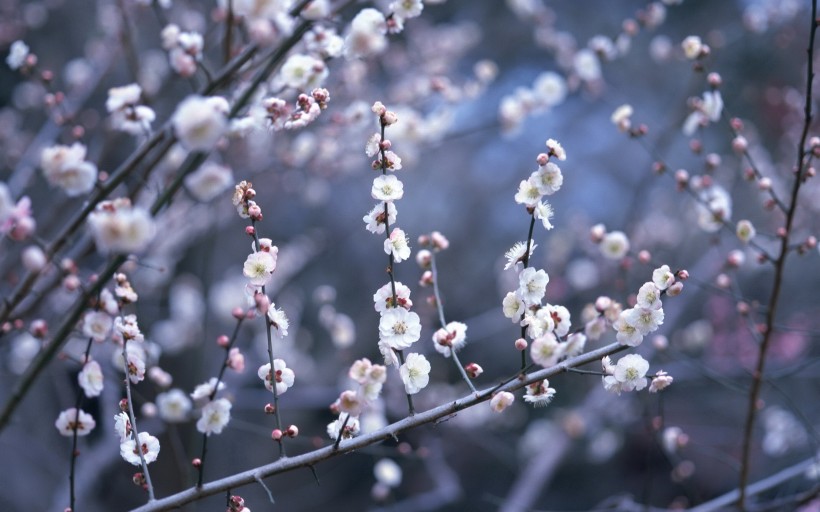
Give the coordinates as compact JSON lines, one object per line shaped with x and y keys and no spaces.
{"x":740,"y":144}
{"x":644,"y":257}
{"x":682,"y":274}
{"x":542,"y":159}
{"x":292,"y":431}
{"x":250,"y":230}
{"x":223,"y":341}
{"x":269,"y":409}
{"x":675,"y":289}
{"x":276,"y":435}
{"x":473,"y":370}
{"x":197,"y":462}
{"x":238,"y":313}
{"x":426,"y":278}
{"x":520,"y":344}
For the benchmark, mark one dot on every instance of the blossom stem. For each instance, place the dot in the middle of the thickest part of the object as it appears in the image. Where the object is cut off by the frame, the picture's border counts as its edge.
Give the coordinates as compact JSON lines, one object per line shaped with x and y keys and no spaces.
{"x":133,"y":419}
{"x":526,"y":261}
{"x":779,"y":267}
{"x":74,"y":453}
{"x":440,"y":309}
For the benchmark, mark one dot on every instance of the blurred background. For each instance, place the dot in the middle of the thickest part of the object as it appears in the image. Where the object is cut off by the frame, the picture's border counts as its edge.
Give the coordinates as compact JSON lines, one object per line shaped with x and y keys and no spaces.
{"x":475,"y":107}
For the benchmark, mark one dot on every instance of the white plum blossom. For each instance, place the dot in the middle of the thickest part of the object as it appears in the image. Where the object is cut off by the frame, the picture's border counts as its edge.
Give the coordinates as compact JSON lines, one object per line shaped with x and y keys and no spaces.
{"x":630,"y":372}
{"x":386,"y":471}
{"x":544,"y":212}
{"x":127,"y":114}
{"x":174,"y":405}
{"x":259,"y":267}
{"x":450,"y":338}
{"x":705,"y":110}
{"x":18,"y":53}
{"x":539,"y":394}
{"x":548,"y":179}
{"x":278,"y":320}
{"x":692,"y":46}
{"x":367,"y":34}
{"x":649,"y":296}
{"x":560,"y":317}
{"x":215,"y":416}
{"x":351,"y":424}
{"x":621,"y":117}
{"x":587,"y":65}
{"x":662,"y":277}
{"x":204,"y":391}
{"x":714,"y":208}
{"x":118,"y":227}
{"x":90,"y":379}
{"x":745,"y":231}
{"x":397,"y":245}
{"x":122,"y":426}
{"x":303,"y":72}
{"x":415,"y":373}
{"x":628,"y":334}
{"x":532,"y":285}
{"x":513,"y":306}
{"x":148,"y":445}
{"x":615,"y":245}
{"x":550,"y":88}
{"x":71,"y":420}
{"x":528,"y":192}
{"x":501,"y":401}
{"x":515,"y":255}
{"x":97,"y":325}
{"x":546,"y":350}
{"x":199,"y":122}
{"x":538,"y":322}
{"x":383,"y":298}
{"x":66,"y":167}
{"x":375,"y":219}
{"x":282,"y":375}
{"x":399,"y":328}
{"x":660,"y":381}
{"x":387,"y":188}
{"x":556,"y":149}
{"x":209,"y":181}
{"x":646,"y":320}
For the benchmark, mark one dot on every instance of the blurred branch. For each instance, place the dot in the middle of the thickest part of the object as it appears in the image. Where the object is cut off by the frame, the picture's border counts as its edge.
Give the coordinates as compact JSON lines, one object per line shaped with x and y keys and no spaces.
{"x":779,"y":268}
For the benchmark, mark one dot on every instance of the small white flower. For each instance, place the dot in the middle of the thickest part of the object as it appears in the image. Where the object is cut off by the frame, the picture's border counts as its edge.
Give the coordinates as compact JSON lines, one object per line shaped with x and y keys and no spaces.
{"x":303,"y":72}
{"x":662,"y":277}
{"x":399,"y":328}
{"x":174,"y":406}
{"x":397,"y":245}
{"x":209,"y":181}
{"x":630,"y":372}
{"x":91,"y":379}
{"x":692,"y":47}
{"x":97,"y":325}
{"x":367,"y":34}
{"x":528,"y":192}
{"x":383,"y":298}
{"x":123,"y":229}
{"x":387,"y":472}
{"x":71,"y":420}
{"x":546,"y":350}
{"x":548,"y":179}
{"x":387,"y":188}
{"x":615,"y":245}
{"x":65,"y":167}
{"x":544,"y":212}
{"x":415,"y":373}
{"x":501,"y":401}
{"x":351,"y":427}
{"x":122,"y":426}
{"x":373,"y":145}
{"x":532,"y":285}
{"x":200,"y":122}
{"x":259,"y":267}
{"x":515,"y":256}
{"x":18,"y":53}
{"x":539,"y":394}
{"x":149,"y":446}
{"x":644,"y":319}
{"x":649,"y":296}
{"x":204,"y":391}
{"x":282,"y":375}
{"x":450,"y":338}
{"x":278,"y":320}
{"x":215,"y":416}
{"x":555,"y":149}
{"x":628,"y":334}
{"x":560,"y":318}
{"x":375,"y":220}
{"x":745,"y":231}
{"x":660,"y":381}
{"x":621,"y":117}
{"x":513,"y":306}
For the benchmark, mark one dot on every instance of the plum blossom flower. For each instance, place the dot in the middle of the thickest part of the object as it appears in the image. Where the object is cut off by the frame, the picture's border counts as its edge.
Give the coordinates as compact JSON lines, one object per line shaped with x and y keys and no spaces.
{"x":18,"y":53}
{"x":209,"y":181}
{"x":383,"y":298}
{"x":91,"y":379}
{"x":692,"y":47}
{"x":71,"y":420}
{"x":122,"y":426}
{"x":513,"y":306}
{"x":351,"y":424}
{"x":375,"y":219}
{"x":501,"y":401}
{"x":515,"y":255}
{"x":544,"y":212}
{"x":205,"y":390}
{"x":528,"y":193}
{"x":259,"y":267}
{"x":199,"y":122}
{"x":278,"y":320}
{"x":548,"y":179}
{"x":387,"y":188}
{"x":662,"y":277}
{"x":386,"y":471}
{"x":174,"y":406}
{"x":532,"y":285}
{"x":66,"y":167}
{"x":556,"y":149}
{"x":397,"y":245}
{"x":714,"y":208}
{"x":215,"y":416}
{"x":118,"y":227}
{"x":660,"y":381}
{"x":745,"y":231}
{"x":127,"y":114}
{"x":367,"y":34}
{"x":450,"y":338}
{"x":539,"y":394}
{"x":97,"y":325}
{"x":646,"y":320}
{"x":283,"y":376}
{"x":303,"y":72}
{"x":630,"y":372}
{"x":415,"y":373}
{"x":399,"y":328}
{"x":615,"y":245}
{"x":546,"y":350}
{"x":149,"y":445}
{"x":628,"y":334}
{"x":649,"y":296}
